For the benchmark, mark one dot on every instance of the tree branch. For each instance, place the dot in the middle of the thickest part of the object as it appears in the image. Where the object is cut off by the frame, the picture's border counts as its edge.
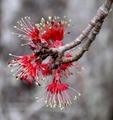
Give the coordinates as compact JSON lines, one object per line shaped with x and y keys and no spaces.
{"x":91,"y":37}
{"x":90,"y":32}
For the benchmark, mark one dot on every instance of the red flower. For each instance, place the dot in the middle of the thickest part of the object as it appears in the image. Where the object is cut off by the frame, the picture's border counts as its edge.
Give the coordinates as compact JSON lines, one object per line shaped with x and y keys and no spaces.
{"x":45,"y":70}
{"x":56,"y":87}
{"x":60,"y":95}
{"x":34,"y":35}
{"x":51,"y":31}
{"x":26,"y":28}
{"x":35,"y":67}
{"x":60,"y":73}
{"x":54,"y":30}
{"x":27,"y":68}
{"x":24,"y":68}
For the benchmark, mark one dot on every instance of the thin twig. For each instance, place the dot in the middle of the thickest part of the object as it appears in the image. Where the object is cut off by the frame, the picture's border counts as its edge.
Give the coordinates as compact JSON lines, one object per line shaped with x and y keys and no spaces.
{"x":90,"y":32}
{"x":91,"y":37}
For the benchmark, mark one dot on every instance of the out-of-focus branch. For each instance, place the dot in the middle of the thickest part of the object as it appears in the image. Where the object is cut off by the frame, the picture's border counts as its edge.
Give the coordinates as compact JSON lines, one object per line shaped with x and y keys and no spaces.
{"x":90,"y":32}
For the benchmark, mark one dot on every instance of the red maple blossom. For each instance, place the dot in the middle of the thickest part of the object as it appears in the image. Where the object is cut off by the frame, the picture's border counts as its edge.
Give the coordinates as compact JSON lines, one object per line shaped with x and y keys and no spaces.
{"x":47,"y":34}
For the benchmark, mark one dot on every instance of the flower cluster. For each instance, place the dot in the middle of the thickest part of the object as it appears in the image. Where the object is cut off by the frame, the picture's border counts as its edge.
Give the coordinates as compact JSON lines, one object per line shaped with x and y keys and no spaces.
{"x":38,"y":65}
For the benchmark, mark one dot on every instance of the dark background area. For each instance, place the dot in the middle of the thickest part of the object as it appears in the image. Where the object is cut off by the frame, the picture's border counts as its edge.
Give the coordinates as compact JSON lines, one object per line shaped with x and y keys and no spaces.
{"x":96,"y":82}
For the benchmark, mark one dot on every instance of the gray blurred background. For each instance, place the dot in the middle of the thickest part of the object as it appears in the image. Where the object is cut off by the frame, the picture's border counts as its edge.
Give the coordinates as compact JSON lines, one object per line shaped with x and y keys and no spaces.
{"x":96,"y":82}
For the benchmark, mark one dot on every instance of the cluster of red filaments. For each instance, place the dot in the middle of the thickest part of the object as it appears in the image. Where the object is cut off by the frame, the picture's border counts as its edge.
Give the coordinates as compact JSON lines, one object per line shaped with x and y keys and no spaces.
{"x":47,"y":34}
{"x":60,"y":94}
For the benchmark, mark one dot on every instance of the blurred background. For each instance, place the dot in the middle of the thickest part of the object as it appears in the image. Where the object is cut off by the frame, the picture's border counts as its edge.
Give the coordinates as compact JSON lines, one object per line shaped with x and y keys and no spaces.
{"x":96,"y":82}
